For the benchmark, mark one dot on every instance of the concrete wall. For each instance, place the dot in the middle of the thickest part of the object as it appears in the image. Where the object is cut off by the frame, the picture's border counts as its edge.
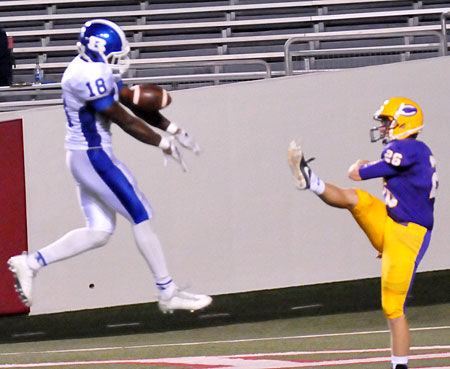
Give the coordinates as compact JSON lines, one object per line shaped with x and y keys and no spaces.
{"x":235,"y":222}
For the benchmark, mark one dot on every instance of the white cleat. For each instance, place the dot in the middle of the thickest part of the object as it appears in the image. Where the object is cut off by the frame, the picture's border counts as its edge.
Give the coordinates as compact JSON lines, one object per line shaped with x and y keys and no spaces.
{"x":182,"y":300}
{"x":23,"y":277}
{"x":299,"y":166}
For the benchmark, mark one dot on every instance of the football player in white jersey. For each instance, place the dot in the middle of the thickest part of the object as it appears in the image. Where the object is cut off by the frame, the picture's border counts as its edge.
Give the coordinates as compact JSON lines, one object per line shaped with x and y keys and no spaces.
{"x":92,"y":91}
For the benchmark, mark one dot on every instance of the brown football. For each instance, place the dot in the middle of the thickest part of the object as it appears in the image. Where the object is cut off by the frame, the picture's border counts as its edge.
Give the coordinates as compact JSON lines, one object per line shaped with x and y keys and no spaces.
{"x":148,"y":96}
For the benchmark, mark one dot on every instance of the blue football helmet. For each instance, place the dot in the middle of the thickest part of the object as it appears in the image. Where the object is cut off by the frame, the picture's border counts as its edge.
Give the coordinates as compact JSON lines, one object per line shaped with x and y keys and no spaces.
{"x":102,"y":41}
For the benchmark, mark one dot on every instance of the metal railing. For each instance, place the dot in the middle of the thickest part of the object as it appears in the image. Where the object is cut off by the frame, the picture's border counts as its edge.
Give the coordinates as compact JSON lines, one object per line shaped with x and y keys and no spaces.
{"x":265,"y":64}
{"x":54,"y":89}
{"x":288,"y":53}
{"x":444,"y":17}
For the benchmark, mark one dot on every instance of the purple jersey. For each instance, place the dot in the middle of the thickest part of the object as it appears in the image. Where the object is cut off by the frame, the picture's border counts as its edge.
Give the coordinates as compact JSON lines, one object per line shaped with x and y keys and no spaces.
{"x":410,"y":181}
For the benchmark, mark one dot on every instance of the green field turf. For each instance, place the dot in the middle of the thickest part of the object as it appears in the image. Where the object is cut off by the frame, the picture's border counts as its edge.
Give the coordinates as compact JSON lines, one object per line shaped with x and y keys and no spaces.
{"x":351,"y":340}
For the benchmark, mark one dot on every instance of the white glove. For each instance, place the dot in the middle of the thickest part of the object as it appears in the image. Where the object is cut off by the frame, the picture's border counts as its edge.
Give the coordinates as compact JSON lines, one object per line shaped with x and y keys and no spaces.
{"x":187,"y":141}
{"x":167,"y":145}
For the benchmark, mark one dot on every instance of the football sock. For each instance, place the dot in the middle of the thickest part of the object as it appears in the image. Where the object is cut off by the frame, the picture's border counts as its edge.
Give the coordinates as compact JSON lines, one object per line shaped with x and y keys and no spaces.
{"x":73,"y":243}
{"x":399,"y":362}
{"x":150,"y":247}
{"x":316,"y":185}
{"x":36,"y":261}
{"x":166,"y":288}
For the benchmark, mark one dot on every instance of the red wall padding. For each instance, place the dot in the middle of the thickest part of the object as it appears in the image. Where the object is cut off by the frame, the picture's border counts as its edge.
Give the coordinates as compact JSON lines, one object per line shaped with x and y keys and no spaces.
{"x":13,"y":221}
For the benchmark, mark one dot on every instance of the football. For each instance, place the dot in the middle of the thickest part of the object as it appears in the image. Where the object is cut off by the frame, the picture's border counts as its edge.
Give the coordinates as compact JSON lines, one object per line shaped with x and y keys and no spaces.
{"x":149,"y":97}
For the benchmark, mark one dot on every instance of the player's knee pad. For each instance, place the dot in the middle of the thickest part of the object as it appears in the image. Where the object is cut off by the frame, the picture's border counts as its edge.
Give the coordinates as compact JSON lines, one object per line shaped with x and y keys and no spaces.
{"x":392,"y":309}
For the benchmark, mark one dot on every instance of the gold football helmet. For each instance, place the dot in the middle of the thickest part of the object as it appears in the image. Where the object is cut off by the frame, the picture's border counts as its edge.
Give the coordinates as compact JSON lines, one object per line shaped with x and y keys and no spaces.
{"x":400,"y":118}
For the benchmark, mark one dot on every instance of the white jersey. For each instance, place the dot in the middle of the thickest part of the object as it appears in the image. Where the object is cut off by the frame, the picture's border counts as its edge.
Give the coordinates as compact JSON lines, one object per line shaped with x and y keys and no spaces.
{"x":83,"y":84}
{"x":105,"y":184}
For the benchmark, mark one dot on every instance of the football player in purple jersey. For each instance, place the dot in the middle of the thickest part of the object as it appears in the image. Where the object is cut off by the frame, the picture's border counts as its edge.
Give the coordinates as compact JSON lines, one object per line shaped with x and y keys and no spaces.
{"x":400,"y":228}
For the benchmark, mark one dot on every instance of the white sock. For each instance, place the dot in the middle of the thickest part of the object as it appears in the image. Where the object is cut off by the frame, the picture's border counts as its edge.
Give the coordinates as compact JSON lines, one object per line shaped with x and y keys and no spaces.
{"x":36,"y":261}
{"x":73,"y":243}
{"x":316,"y":185}
{"x":150,"y":247}
{"x":166,"y":288}
{"x":399,"y":360}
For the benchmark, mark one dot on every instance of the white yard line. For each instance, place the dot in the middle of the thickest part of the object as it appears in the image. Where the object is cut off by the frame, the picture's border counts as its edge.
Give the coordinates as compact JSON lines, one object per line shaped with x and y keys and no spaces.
{"x":229,"y":362}
{"x":218,"y":342}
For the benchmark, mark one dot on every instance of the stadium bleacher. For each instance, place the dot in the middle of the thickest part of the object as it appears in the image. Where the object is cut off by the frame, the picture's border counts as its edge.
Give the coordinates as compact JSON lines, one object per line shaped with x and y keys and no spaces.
{"x":182,"y":44}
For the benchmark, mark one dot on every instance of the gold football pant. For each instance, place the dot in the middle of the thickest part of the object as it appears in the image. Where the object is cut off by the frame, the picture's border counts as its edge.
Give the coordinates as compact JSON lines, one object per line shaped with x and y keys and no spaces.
{"x":402,"y":247}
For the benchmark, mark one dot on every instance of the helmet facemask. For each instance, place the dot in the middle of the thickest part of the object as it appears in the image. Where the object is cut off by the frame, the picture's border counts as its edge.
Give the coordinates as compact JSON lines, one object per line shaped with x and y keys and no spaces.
{"x":119,"y":61}
{"x":384,"y":130}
